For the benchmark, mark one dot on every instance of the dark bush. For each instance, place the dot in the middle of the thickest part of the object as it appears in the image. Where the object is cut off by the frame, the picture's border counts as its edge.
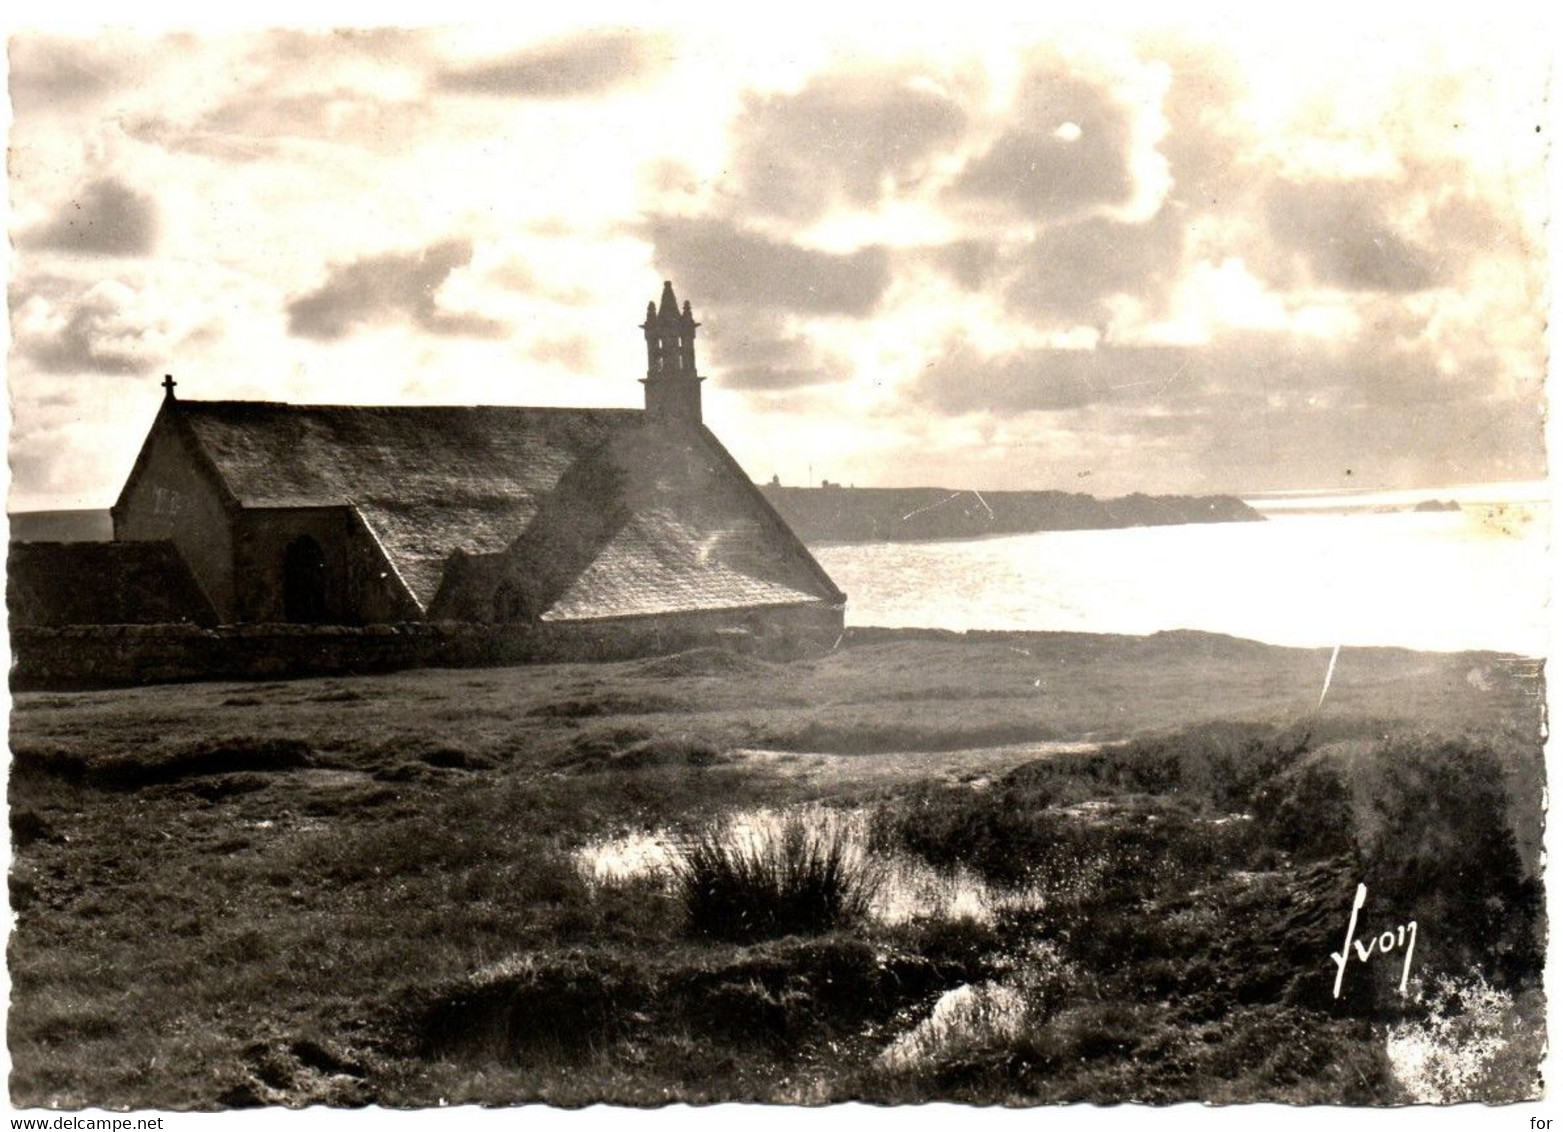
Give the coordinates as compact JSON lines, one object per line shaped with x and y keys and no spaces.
{"x":1126,"y":847}
{"x":1309,"y":810}
{"x":28,"y":826}
{"x":804,"y":878}
{"x":1432,"y":828}
{"x":1223,"y":765}
{"x":1439,"y":846}
{"x":1095,"y":1030}
{"x":544,"y":1008}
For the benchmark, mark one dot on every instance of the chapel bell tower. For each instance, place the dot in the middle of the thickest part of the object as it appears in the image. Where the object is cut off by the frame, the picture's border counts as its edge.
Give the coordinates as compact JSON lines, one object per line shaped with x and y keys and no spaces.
{"x":672,"y":385}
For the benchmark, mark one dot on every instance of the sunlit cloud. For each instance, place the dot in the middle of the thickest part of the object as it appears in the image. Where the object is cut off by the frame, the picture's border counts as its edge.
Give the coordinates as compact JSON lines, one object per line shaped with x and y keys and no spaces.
{"x":390,"y":287}
{"x":1210,"y":259}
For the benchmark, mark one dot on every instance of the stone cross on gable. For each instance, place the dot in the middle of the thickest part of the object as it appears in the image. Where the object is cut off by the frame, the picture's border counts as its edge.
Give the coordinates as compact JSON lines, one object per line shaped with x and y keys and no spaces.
{"x":168,"y":385}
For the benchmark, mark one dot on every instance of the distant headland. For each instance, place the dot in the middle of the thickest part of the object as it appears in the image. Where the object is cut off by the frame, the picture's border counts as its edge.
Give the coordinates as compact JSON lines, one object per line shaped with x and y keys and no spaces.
{"x":834,"y":513}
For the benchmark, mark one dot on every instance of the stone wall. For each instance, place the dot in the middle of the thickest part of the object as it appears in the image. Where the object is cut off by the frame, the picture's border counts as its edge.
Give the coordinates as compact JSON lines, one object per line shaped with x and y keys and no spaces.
{"x":98,"y":656}
{"x":54,"y":584}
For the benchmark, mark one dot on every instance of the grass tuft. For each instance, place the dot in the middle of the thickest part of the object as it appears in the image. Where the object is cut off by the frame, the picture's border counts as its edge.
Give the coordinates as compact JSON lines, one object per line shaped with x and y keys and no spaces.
{"x":803,"y":876}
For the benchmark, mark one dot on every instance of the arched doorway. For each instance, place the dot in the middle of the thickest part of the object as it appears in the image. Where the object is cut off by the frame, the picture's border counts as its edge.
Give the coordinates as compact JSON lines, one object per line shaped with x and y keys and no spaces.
{"x":304,"y":581}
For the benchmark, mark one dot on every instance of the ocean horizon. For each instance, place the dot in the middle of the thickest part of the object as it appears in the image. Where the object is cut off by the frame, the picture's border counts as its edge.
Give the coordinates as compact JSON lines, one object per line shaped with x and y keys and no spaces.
{"x":1338,"y":572}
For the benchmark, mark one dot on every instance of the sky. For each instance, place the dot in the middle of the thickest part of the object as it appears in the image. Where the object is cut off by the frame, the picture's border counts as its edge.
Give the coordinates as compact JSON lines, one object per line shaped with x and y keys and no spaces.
{"x":1117,"y":257}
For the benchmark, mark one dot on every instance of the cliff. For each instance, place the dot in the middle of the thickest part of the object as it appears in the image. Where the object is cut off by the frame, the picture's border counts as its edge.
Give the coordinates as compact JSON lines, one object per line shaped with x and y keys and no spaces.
{"x":885,"y":514}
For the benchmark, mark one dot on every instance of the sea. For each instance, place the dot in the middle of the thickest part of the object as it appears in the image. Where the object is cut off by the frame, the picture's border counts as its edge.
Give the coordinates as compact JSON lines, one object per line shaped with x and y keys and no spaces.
{"x":1323,"y":569}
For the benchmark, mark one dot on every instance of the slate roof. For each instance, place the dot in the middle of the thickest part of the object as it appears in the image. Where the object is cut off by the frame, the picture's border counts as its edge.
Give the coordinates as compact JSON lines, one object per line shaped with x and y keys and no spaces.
{"x":659,"y":563}
{"x":52,"y":584}
{"x":691,"y":532}
{"x":600,"y":512}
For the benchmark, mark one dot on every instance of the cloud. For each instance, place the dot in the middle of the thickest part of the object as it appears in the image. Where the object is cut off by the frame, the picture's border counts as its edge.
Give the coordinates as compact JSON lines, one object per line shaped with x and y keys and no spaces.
{"x":844,"y":139}
{"x":1229,"y":378}
{"x":257,"y":94}
{"x":729,"y":266}
{"x":1439,"y":442}
{"x":106,"y":218}
{"x":1251,"y":411}
{"x":1069,"y":274}
{"x":1341,"y":232}
{"x":751,"y":289}
{"x":1050,"y":379}
{"x":33,"y":461}
{"x":839,"y":139}
{"x":573,"y":352}
{"x":258,"y":123}
{"x":1207,"y":150}
{"x":397,"y":287}
{"x":1002,"y":222}
{"x":1467,"y":225}
{"x":758,"y":353}
{"x":590,"y":64}
{"x":1066,"y":149}
{"x":49,"y":73}
{"x":95,"y":338}
{"x":1070,"y":271}
{"x":971,"y":263}
{"x":1064,"y":152}
{"x":291,"y":48}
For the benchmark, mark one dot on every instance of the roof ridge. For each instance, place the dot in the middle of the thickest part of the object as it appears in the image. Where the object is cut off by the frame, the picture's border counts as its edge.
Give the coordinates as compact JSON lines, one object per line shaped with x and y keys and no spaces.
{"x":185,"y":403}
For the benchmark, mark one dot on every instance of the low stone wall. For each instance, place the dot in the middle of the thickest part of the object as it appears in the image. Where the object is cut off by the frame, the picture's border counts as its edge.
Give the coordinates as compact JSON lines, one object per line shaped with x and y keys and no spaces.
{"x":100,"y":656}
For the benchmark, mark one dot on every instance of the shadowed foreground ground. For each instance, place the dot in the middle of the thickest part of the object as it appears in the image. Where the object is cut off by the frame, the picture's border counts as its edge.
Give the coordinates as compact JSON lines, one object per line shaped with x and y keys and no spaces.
{"x":370,"y":890}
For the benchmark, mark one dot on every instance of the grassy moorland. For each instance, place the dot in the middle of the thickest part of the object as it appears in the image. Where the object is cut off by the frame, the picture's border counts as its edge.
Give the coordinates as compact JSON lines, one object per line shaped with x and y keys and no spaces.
{"x":373,"y":889}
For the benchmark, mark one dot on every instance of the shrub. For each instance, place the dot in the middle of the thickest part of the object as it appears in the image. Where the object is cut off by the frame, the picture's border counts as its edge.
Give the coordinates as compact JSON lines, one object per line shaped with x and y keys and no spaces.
{"x":1214,"y":765}
{"x":1439,"y":842}
{"x":1433,"y":828}
{"x":1308,"y":810}
{"x":1127,"y":847}
{"x":803,"y":876}
{"x":1223,"y":763}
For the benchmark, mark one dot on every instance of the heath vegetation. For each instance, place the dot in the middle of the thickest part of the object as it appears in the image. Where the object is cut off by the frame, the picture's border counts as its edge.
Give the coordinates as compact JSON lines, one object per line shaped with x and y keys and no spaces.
{"x":375,"y":890}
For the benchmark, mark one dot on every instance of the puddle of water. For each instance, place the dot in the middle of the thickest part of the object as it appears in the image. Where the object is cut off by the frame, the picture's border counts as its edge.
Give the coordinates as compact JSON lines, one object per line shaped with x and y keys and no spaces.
{"x":613,"y":860}
{"x":981,"y":1015}
{"x":909,"y":887}
{"x":969,"y":1016}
